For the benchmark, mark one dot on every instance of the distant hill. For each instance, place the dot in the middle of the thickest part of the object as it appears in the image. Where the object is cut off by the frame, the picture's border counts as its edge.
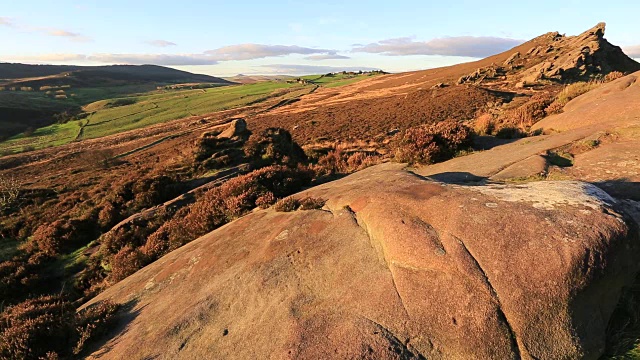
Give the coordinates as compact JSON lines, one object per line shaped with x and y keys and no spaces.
{"x":91,"y":76}
{"x":250,"y":79}
{"x":33,"y":95}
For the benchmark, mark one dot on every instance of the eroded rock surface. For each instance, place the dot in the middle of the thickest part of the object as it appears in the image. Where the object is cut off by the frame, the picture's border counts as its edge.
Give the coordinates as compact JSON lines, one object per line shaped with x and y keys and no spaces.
{"x":558,"y":58}
{"x":395,"y":266}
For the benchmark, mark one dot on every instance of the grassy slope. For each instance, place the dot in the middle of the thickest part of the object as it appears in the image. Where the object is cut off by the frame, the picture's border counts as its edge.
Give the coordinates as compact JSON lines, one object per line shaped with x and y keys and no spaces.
{"x":37,"y":100}
{"x":149,"y":109}
{"x":335,"y":80}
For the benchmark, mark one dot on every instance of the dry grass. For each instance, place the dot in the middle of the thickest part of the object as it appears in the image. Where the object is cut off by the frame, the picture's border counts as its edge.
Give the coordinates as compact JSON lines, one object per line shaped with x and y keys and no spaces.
{"x":516,"y":121}
{"x":574,"y":90}
{"x":484,"y":124}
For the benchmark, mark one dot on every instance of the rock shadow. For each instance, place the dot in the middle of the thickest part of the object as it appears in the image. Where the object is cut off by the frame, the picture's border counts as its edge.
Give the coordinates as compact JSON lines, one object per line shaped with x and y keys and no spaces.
{"x":124,"y":317}
{"x":455,"y":177}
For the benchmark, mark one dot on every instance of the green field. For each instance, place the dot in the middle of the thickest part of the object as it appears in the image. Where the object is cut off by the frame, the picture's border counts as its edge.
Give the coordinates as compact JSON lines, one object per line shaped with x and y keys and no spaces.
{"x":146,"y":109}
{"x":39,"y":100}
{"x":336,"y":80}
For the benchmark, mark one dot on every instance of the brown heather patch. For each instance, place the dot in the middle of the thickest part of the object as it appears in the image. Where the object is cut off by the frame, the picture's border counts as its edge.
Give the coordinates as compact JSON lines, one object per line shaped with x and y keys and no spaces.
{"x":428,"y":144}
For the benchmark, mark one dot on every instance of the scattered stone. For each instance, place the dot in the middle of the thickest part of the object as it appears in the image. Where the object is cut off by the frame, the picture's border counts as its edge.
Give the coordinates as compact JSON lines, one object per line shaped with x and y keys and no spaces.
{"x":236,"y":128}
{"x":512,"y":59}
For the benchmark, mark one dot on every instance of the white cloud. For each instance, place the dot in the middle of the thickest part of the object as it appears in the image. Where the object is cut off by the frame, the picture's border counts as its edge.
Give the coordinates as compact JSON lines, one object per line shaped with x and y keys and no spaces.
{"x":161,"y":43}
{"x":156,"y":59}
{"x":5,"y":21}
{"x":632,"y":51}
{"x":293,"y":69}
{"x":64,"y":33}
{"x":326,"y":57}
{"x":211,"y":57}
{"x":468,"y":46}
{"x":49,"y":58}
{"x":130,"y":59}
{"x":258,"y":51}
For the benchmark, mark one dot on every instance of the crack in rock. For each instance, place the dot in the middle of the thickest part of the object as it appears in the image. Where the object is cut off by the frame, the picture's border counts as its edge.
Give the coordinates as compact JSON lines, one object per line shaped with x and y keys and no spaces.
{"x":380,"y":252}
{"x":501,"y":315}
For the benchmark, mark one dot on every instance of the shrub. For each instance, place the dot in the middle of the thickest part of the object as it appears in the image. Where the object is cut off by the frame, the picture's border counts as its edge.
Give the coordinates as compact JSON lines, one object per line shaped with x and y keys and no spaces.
{"x":274,"y":146}
{"x":98,"y":159}
{"x":334,"y":162}
{"x":311,"y":203}
{"x":532,"y":111}
{"x":266,"y":200}
{"x":509,"y":132}
{"x":150,"y":191}
{"x":120,"y":102}
{"x":48,"y":327}
{"x":126,"y":262}
{"x":108,"y":215}
{"x":92,"y":322}
{"x":224,"y":203}
{"x":614,"y":75}
{"x":484,"y":124}
{"x":37,"y":326}
{"x":20,"y":276}
{"x":360,"y":160}
{"x":9,"y":192}
{"x":290,"y":204}
{"x":555,"y":108}
{"x":339,"y":162}
{"x":63,"y":235}
{"x":427,"y":144}
{"x":572,"y":91}
{"x":287,"y":204}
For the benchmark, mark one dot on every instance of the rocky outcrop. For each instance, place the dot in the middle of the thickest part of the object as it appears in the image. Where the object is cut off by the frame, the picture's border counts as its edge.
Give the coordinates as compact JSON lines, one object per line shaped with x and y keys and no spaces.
{"x":237,"y":128}
{"x":559,"y":58}
{"x":577,"y":57}
{"x":394,"y":266}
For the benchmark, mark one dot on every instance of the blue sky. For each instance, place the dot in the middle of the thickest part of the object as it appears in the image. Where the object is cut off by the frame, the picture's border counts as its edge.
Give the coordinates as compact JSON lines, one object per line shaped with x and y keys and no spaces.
{"x":267,"y":37}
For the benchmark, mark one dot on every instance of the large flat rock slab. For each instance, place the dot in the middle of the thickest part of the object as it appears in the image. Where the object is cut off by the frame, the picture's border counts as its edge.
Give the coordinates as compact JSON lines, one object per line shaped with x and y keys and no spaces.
{"x":614,"y":167}
{"x":394,"y":267}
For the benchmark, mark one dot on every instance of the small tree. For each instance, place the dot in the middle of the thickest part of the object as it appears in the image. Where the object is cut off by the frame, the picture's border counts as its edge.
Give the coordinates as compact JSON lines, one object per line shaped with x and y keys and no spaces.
{"x":9,"y":191}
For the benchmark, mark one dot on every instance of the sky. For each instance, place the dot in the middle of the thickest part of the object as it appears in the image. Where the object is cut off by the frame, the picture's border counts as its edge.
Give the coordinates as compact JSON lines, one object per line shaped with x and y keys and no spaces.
{"x":225,"y":38}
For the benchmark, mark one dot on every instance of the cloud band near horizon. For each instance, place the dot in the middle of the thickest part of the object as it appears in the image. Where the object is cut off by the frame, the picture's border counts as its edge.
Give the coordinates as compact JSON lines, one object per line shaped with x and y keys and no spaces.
{"x":466,"y":46}
{"x":632,"y":51}
{"x":209,"y":57}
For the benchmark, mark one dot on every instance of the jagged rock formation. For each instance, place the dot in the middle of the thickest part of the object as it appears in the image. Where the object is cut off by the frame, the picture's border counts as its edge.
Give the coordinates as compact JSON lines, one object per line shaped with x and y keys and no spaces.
{"x":558,"y":58}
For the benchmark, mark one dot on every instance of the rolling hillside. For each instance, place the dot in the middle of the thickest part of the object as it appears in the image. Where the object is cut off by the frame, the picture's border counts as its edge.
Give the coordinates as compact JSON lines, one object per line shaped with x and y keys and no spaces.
{"x":33,"y":96}
{"x":42,"y":75}
{"x":484,"y":210}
